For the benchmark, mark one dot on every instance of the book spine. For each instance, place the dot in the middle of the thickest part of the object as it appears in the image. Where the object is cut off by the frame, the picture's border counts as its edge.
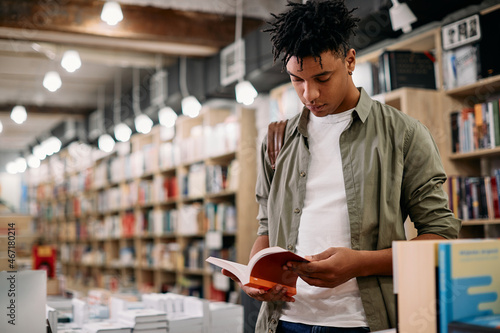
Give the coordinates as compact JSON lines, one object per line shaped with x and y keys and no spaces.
{"x":444,"y":285}
{"x":455,"y":141}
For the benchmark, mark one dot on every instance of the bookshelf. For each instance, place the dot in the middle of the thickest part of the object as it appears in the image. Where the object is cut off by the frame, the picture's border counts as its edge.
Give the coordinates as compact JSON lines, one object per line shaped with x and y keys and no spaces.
{"x":148,"y":214}
{"x":434,"y":107}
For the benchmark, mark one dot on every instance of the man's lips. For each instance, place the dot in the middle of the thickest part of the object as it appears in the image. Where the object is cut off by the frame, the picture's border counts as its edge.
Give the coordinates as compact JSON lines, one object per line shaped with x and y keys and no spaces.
{"x":316,"y":108}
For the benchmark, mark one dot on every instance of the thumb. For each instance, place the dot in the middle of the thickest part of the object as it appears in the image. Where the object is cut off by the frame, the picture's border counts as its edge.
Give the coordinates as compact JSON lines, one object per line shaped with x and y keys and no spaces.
{"x":322,"y":256}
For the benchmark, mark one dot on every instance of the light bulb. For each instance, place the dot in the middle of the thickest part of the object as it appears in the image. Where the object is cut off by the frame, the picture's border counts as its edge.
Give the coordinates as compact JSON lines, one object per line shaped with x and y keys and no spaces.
{"x":46,"y":147}
{"x":1,"y":127}
{"x":33,"y":162}
{"x":18,"y":114}
{"x":21,"y":164}
{"x":106,"y":143}
{"x":39,"y":152}
{"x":245,"y":93}
{"x":111,"y":13}
{"x":167,"y":117}
{"x":190,"y":106}
{"x":11,"y":168}
{"x":401,"y":16}
{"x":122,"y":132}
{"x":143,"y":124}
{"x":52,"y":81}
{"x":55,"y":144}
{"x":71,"y":61}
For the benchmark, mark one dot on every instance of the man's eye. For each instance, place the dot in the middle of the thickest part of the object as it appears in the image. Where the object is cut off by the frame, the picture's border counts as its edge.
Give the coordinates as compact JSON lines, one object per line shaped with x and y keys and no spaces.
{"x":323,"y":79}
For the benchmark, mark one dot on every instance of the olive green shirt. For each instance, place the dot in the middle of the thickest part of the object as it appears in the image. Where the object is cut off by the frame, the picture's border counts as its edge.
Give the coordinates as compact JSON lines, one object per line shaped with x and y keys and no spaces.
{"x":392,"y":170}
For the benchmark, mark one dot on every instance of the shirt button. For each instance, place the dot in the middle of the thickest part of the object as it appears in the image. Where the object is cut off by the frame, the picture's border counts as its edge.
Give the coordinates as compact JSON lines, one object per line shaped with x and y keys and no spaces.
{"x":273,"y":321}
{"x":296,"y":210}
{"x":270,"y":330}
{"x":290,"y":247}
{"x":302,"y":174}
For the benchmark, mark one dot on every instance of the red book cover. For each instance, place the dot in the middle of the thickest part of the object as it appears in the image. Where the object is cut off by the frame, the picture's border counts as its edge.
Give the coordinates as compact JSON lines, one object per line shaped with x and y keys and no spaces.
{"x":128,"y":225}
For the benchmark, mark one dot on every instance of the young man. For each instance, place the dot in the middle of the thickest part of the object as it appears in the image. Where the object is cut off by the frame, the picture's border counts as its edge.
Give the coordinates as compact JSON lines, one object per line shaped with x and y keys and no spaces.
{"x":349,"y":173}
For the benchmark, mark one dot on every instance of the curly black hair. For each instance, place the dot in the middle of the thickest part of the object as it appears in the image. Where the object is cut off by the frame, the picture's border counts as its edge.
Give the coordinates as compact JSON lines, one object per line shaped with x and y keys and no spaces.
{"x":312,"y":28}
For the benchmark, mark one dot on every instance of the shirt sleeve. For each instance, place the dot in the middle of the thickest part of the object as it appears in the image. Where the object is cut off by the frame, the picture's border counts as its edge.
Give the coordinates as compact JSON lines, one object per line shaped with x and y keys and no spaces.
{"x":424,"y":198}
{"x":264,"y":178}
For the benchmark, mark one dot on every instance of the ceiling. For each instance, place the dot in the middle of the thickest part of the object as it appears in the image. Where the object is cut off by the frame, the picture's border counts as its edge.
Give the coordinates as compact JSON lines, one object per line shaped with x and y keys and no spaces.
{"x":35,"y":34}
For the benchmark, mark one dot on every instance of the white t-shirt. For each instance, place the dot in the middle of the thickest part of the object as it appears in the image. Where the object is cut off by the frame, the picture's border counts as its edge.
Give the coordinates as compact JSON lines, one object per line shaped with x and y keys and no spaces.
{"x":325,"y":223}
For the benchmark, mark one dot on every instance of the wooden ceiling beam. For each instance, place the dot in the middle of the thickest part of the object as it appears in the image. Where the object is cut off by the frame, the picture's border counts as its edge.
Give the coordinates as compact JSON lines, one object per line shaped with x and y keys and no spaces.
{"x":45,"y":20}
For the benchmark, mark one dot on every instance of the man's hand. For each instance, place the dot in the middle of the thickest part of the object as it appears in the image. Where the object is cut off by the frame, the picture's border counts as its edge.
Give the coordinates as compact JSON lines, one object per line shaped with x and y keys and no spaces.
{"x":328,"y":269}
{"x":277,"y":293}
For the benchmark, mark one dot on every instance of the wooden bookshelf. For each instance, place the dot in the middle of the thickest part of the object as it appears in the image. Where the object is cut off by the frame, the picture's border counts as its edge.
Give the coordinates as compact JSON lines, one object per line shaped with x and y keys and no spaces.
{"x":433,"y":108}
{"x":132,"y":183}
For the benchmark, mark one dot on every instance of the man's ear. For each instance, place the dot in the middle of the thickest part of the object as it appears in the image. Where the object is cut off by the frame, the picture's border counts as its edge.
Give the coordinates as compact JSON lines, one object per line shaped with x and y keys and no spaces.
{"x":350,"y":60}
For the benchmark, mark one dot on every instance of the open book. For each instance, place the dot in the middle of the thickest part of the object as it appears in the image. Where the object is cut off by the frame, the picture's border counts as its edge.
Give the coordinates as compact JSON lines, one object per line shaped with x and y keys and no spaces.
{"x":264,"y":270}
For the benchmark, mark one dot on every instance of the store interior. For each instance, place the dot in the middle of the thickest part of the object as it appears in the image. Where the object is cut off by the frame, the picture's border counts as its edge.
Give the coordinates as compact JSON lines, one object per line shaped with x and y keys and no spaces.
{"x":129,"y":143}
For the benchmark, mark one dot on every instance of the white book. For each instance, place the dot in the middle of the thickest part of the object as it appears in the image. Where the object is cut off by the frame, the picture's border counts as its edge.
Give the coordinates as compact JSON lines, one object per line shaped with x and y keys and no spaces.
{"x":154,"y":330}
{"x":142,"y":315}
{"x":145,"y":325}
{"x":106,"y":327}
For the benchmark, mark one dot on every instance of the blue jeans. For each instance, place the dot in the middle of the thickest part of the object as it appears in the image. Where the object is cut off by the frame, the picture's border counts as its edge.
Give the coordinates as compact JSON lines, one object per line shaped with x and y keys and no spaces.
{"x":288,"y":327}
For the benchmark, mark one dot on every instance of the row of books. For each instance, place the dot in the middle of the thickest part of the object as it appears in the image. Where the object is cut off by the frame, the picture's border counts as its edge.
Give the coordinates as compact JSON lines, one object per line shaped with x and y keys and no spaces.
{"x":143,"y":193}
{"x":200,"y":180}
{"x":194,"y":255}
{"x":475,"y":128}
{"x":82,"y":253}
{"x":207,"y":141}
{"x":192,"y":219}
{"x":220,"y":217}
{"x":447,"y":286}
{"x":475,"y":197}
{"x":212,"y":179}
{"x":159,"y":255}
{"x":396,"y":69}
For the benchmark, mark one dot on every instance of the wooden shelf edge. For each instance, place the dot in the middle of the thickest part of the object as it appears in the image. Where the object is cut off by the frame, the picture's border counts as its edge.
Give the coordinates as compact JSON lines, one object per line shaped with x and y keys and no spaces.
{"x":472,"y":88}
{"x":476,"y":154}
{"x":480,"y":222}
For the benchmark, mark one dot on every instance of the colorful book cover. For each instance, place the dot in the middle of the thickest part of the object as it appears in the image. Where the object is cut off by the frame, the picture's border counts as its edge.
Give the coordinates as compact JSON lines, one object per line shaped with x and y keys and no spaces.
{"x":469,"y":280}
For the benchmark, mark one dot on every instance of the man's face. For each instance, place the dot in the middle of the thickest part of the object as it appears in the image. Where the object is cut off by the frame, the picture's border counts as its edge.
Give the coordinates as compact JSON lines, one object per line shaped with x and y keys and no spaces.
{"x":324,"y":88}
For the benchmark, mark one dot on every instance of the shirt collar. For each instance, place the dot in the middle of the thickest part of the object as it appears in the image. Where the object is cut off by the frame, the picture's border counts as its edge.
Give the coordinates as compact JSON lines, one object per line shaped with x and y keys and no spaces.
{"x":362,"y":109}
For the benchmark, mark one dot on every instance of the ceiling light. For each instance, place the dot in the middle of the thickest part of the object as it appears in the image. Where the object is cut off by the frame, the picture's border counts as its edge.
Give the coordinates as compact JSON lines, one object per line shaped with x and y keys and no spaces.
{"x":106,"y":143}
{"x":52,"y":81}
{"x":18,"y":114}
{"x":245,"y":93}
{"x":33,"y":162}
{"x":167,"y":117}
{"x":11,"y":168}
{"x":55,"y":144}
{"x":401,"y":16}
{"x":1,"y":127}
{"x":21,"y":164}
{"x":122,"y":132}
{"x":71,"y":61}
{"x":39,"y":152}
{"x":143,"y":124}
{"x":190,"y":106}
{"x":111,"y":13}
{"x":51,"y":146}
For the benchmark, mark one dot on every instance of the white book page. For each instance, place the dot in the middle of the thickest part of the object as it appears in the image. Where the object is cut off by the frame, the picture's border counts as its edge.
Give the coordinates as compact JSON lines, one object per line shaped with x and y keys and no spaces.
{"x":241,"y":271}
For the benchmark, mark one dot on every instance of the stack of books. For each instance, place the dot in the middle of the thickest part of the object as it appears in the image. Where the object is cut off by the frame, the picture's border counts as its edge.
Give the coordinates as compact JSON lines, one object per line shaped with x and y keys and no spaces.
{"x":144,"y":320}
{"x":226,"y":317}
